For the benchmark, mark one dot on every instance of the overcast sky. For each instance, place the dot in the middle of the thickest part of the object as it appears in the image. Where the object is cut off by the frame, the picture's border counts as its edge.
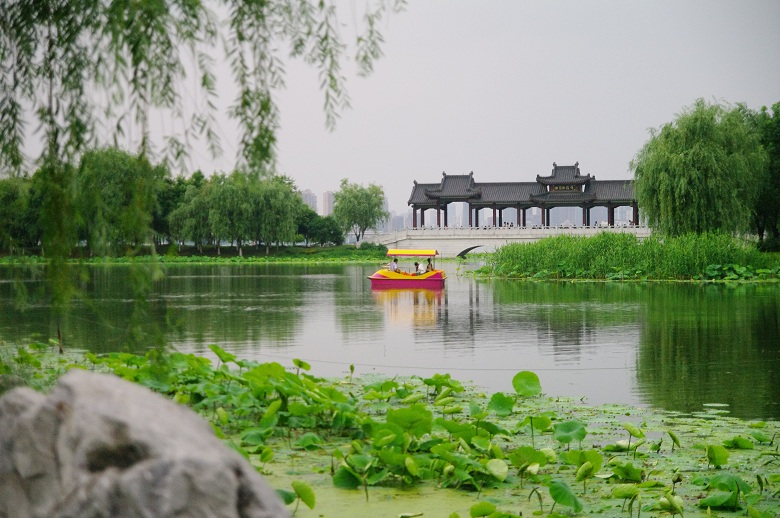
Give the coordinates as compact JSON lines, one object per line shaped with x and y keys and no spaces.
{"x":506,"y":88}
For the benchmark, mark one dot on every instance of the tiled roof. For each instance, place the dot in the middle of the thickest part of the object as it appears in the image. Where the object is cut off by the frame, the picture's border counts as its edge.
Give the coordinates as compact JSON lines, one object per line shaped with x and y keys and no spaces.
{"x":453,"y":188}
{"x":564,"y":174}
{"x":502,"y":192}
{"x":613,"y":190}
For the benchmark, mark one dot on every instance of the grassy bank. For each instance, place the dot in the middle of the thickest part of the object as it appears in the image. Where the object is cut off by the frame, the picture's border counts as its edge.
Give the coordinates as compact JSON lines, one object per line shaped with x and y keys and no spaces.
{"x":411,"y":446}
{"x":227,"y":255}
{"x":619,"y":256}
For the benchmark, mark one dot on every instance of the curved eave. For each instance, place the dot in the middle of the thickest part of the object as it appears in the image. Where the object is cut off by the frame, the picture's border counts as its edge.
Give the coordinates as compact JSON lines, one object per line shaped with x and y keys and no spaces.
{"x":549,"y":180}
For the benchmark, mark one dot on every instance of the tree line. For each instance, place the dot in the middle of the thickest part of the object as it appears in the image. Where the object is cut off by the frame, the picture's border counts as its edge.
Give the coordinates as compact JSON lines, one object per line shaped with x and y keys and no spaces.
{"x":116,"y":203}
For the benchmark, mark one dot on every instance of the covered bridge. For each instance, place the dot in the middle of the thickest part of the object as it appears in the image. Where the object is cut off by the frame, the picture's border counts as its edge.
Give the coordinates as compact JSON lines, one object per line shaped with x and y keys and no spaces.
{"x":565,"y":187}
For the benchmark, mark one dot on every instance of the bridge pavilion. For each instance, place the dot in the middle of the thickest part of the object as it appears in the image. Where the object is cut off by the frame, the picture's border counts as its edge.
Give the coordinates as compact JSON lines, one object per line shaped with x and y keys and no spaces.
{"x":565,"y":187}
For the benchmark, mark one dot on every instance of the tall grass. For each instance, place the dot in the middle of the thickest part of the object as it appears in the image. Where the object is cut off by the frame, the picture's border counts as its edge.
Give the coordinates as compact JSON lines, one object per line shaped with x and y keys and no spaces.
{"x":622,"y":256}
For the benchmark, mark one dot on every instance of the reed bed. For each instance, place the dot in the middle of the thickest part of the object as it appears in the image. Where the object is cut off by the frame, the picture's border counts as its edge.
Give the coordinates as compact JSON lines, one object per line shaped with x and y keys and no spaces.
{"x":619,"y":256}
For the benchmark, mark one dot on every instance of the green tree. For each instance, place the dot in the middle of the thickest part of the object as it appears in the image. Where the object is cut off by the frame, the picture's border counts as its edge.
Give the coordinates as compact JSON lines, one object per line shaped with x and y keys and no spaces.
{"x":767,"y":211}
{"x":276,"y":211}
{"x":190,"y":220}
{"x":115,"y":199}
{"x":17,"y":228}
{"x":169,"y":198}
{"x":358,"y":208}
{"x":699,"y":173}
{"x":327,"y":230}
{"x":230,"y":213}
{"x":306,"y":222}
{"x":80,"y":65}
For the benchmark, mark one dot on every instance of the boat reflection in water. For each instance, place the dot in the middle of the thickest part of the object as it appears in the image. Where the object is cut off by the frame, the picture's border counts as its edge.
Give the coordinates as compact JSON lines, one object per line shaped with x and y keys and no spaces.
{"x":412,"y":306}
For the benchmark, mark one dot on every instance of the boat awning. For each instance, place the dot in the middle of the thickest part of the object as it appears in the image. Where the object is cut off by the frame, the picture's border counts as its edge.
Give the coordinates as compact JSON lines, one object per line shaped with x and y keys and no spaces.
{"x":402,"y":252}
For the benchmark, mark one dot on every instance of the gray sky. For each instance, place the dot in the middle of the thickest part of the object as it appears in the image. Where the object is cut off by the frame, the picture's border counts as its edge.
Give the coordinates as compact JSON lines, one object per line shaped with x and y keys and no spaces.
{"x":506,"y":88}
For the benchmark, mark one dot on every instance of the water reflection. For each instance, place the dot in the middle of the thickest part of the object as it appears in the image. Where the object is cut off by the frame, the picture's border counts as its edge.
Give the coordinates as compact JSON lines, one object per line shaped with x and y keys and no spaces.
{"x":418,"y":308}
{"x":668,"y":345}
{"x":716,"y":344}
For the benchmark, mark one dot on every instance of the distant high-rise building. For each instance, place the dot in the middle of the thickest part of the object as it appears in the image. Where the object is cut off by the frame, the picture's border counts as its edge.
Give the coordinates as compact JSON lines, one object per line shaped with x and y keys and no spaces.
{"x":327,"y":203}
{"x":310,"y":199}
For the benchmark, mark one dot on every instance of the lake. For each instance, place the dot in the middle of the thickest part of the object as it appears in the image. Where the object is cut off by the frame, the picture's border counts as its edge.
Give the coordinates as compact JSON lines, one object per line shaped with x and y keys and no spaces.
{"x":675,"y":346}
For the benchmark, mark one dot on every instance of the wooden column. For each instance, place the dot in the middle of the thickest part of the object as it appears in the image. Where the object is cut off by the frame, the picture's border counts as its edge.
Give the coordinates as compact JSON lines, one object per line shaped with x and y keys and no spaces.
{"x":525,"y":223}
{"x":422,"y":217}
{"x":635,"y":217}
{"x":519,"y":217}
{"x":446,"y":218}
{"x":438,"y":216}
{"x":470,"y":216}
{"x":544,"y":213}
{"x":610,"y":215}
{"x":584,"y":216}
{"x":500,"y":217}
{"x":414,"y":217}
{"x":476,"y":217}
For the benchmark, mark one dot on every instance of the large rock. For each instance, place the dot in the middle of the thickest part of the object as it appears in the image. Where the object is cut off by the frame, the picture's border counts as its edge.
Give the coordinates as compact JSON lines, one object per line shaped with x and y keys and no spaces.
{"x":98,"y":446}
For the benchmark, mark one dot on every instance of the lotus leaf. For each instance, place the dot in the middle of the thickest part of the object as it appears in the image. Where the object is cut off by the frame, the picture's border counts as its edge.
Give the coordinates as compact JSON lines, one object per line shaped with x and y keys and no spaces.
{"x":304,"y":492}
{"x":569,"y":431}
{"x":501,"y":404}
{"x":562,"y":494}
{"x":526,"y":383}
{"x":416,"y":419}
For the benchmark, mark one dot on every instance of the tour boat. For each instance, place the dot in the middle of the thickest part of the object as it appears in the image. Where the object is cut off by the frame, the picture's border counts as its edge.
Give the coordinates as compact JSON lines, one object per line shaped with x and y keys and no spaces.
{"x":400,"y":279}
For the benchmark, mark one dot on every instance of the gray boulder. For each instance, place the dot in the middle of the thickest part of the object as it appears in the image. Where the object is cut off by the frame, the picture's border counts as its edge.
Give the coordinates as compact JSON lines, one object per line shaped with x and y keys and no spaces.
{"x":98,"y":446}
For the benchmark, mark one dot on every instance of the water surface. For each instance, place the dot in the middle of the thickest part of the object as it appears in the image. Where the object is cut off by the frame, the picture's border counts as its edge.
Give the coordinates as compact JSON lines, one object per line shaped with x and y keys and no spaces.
{"x":674,"y":346}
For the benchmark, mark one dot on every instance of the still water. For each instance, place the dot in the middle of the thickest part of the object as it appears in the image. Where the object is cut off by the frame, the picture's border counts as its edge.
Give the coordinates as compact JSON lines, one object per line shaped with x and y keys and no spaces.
{"x":672,"y":346}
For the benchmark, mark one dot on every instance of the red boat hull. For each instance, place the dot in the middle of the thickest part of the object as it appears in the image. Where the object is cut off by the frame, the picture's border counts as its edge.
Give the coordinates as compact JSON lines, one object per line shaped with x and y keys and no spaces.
{"x":386,"y":279}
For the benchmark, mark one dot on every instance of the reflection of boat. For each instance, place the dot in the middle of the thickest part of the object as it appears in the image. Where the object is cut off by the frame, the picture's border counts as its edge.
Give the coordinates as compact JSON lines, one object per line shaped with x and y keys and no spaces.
{"x":386,"y":278}
{"x":421,"y":307}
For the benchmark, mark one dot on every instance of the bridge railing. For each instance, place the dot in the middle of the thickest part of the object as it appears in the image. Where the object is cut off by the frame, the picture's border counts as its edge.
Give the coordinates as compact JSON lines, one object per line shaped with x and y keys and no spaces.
{"x":451,"y":240}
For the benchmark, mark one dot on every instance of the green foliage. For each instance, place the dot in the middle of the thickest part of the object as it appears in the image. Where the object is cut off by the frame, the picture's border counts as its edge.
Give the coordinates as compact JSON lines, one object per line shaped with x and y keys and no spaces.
{"x":358,"y":208}
{"x":74,"y":63}
{"x":562,"y":494}
{"x":526,"y":383}
{"x":700,"y":173}
{"x":766,"y":217}
{"x":621,"y":257}
{"x":501,"y":404}
{"x":305,"y":493}
{"x":275,"y":414}
{"x":569,"y":431}
{"x":728,"y":490}
{"x":717,"y":455}
{"x":115,"y":197}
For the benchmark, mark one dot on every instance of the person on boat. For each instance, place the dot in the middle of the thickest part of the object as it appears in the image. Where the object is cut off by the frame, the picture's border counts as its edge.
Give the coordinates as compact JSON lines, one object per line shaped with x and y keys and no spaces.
{"x":393,"y":265}
{"x":419,"y":268}
{"x":429,"y":266}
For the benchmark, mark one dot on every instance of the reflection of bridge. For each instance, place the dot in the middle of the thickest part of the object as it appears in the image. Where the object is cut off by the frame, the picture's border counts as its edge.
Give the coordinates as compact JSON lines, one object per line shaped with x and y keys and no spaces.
{"x":449,"y":240}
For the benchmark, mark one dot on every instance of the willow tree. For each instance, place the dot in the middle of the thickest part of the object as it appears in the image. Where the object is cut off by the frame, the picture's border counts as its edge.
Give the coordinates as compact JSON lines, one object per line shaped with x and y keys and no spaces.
{"x":767,"y":212}
{"x":88,"y":73}
{"x":700,"y":172}
{"x":358,"y":208}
